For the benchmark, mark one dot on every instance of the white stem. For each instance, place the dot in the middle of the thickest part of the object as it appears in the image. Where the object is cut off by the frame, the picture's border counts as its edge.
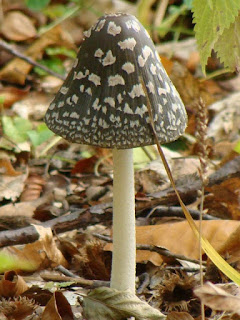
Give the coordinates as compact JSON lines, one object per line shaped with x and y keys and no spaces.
{"x":124,"y":238}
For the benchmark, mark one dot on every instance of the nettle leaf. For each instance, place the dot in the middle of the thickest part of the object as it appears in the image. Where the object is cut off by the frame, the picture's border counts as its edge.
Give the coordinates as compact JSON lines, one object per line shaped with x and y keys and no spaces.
{"x":211,"y":18}
{"x":228,"y":46}
{"x":106,"y":303}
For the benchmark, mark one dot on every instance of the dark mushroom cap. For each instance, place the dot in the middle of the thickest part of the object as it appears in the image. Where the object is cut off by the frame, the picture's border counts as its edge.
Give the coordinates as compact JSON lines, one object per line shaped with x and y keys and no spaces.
{"x":103,"y":100}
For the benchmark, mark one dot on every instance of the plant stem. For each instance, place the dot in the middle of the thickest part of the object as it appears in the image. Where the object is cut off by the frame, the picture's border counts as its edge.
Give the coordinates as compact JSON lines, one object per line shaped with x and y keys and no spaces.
{"x":124,"y":239}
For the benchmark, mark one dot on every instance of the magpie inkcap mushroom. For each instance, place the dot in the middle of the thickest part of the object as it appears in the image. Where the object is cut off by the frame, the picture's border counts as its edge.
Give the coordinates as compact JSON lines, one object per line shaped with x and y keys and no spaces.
{"x":103,"y":103}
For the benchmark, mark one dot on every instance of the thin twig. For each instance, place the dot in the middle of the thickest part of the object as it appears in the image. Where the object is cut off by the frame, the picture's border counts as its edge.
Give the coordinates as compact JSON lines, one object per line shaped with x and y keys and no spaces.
{"x":5,"y":46}
{"x":160,"y":250}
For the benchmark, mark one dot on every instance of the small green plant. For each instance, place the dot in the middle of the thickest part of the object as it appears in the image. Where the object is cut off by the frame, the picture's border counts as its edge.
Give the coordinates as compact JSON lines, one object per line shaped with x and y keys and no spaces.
{"x":20,"y":130}
{"x":53,"y":60}
{"x":37,"y":5}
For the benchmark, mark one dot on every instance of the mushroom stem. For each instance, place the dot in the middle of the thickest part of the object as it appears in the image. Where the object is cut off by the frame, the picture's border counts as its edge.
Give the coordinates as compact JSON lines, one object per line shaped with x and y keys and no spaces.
{"x":124,"y":238}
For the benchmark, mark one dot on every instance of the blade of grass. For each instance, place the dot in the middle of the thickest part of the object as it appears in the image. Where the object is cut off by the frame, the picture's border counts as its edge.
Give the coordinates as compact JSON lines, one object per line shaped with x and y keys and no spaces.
{"x":222,"y":265}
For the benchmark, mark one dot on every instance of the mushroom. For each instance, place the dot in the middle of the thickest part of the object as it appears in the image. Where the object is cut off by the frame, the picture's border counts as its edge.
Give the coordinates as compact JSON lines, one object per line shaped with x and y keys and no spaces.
{"x":104,"y":102}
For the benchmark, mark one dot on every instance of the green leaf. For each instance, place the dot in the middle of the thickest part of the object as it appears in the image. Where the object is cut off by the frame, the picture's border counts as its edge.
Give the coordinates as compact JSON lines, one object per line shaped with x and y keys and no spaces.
{"x":16,"y":128}
{"x":53,"y":63}
{"x":37,"y":4}
{"x":107,"y":303}
{"x":237,"y":147}
{"x":12,"y":262}
{"x":40,"y":135}
{"x":62,"y":51}
{"x":229,"y":54}
{"x":211,"y":18}
{"x":55,"y":11}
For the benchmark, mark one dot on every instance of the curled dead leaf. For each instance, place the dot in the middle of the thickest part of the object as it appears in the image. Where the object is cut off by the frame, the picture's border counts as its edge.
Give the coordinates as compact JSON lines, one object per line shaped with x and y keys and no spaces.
{"x":17,"y":26}
{"x":12,"y":285}
{"x":58,"y":308}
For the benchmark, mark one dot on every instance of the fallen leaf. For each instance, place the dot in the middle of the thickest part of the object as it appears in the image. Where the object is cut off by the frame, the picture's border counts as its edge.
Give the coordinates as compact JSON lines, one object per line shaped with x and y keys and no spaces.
{"x":58,"y":308}
{"x":42,"y":253}
{"x":178,"y":238}
{"x":12,"y":186}
{"x":17,"y":70}
{"x":11,"y":95}
{"x":16,"y":26}
{"x":224,"y":199}
{"x":12,"y":285}
{"x":6,"y":165}
{"x":217,"y":298}
{"x":107,"y":303}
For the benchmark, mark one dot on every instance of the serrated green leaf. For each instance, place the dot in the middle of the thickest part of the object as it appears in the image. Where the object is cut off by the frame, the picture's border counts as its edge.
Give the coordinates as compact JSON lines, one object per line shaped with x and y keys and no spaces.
{"x":107,"y":303}
{"x":229,"y":54}
{"x":211,"y":18}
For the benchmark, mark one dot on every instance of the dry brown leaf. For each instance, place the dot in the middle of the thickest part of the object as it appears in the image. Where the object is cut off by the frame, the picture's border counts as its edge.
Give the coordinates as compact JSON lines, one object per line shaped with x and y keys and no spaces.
{"x":183,"y":79}
{"x":11,"y":95}
{"x":179,"y":238}
{"x":223,"y":199}
{"x":12,"y":186}
{"x":12,"y":285}
{"x":16,"y":26}
{"x":42,"y":253}
{"x":33,"y":188}
{"x":18,"y":209}
{"x":217,"y":298}
{"x":230,"y":249}
{"x":17,"y":70}
{"x":6,"y":168}
{"x":58,"y":308}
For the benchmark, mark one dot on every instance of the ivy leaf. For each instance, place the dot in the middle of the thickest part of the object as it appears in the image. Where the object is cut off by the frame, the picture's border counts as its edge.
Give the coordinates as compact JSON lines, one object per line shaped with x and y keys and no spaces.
{"x":107,"y":303}
{"x":230,"y":54}
{"x":211,"y":18}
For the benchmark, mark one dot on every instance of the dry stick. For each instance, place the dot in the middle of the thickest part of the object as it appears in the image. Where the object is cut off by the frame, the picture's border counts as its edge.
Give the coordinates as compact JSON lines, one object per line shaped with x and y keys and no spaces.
{"x":160,"y":250}
{"x":16,"y":53}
